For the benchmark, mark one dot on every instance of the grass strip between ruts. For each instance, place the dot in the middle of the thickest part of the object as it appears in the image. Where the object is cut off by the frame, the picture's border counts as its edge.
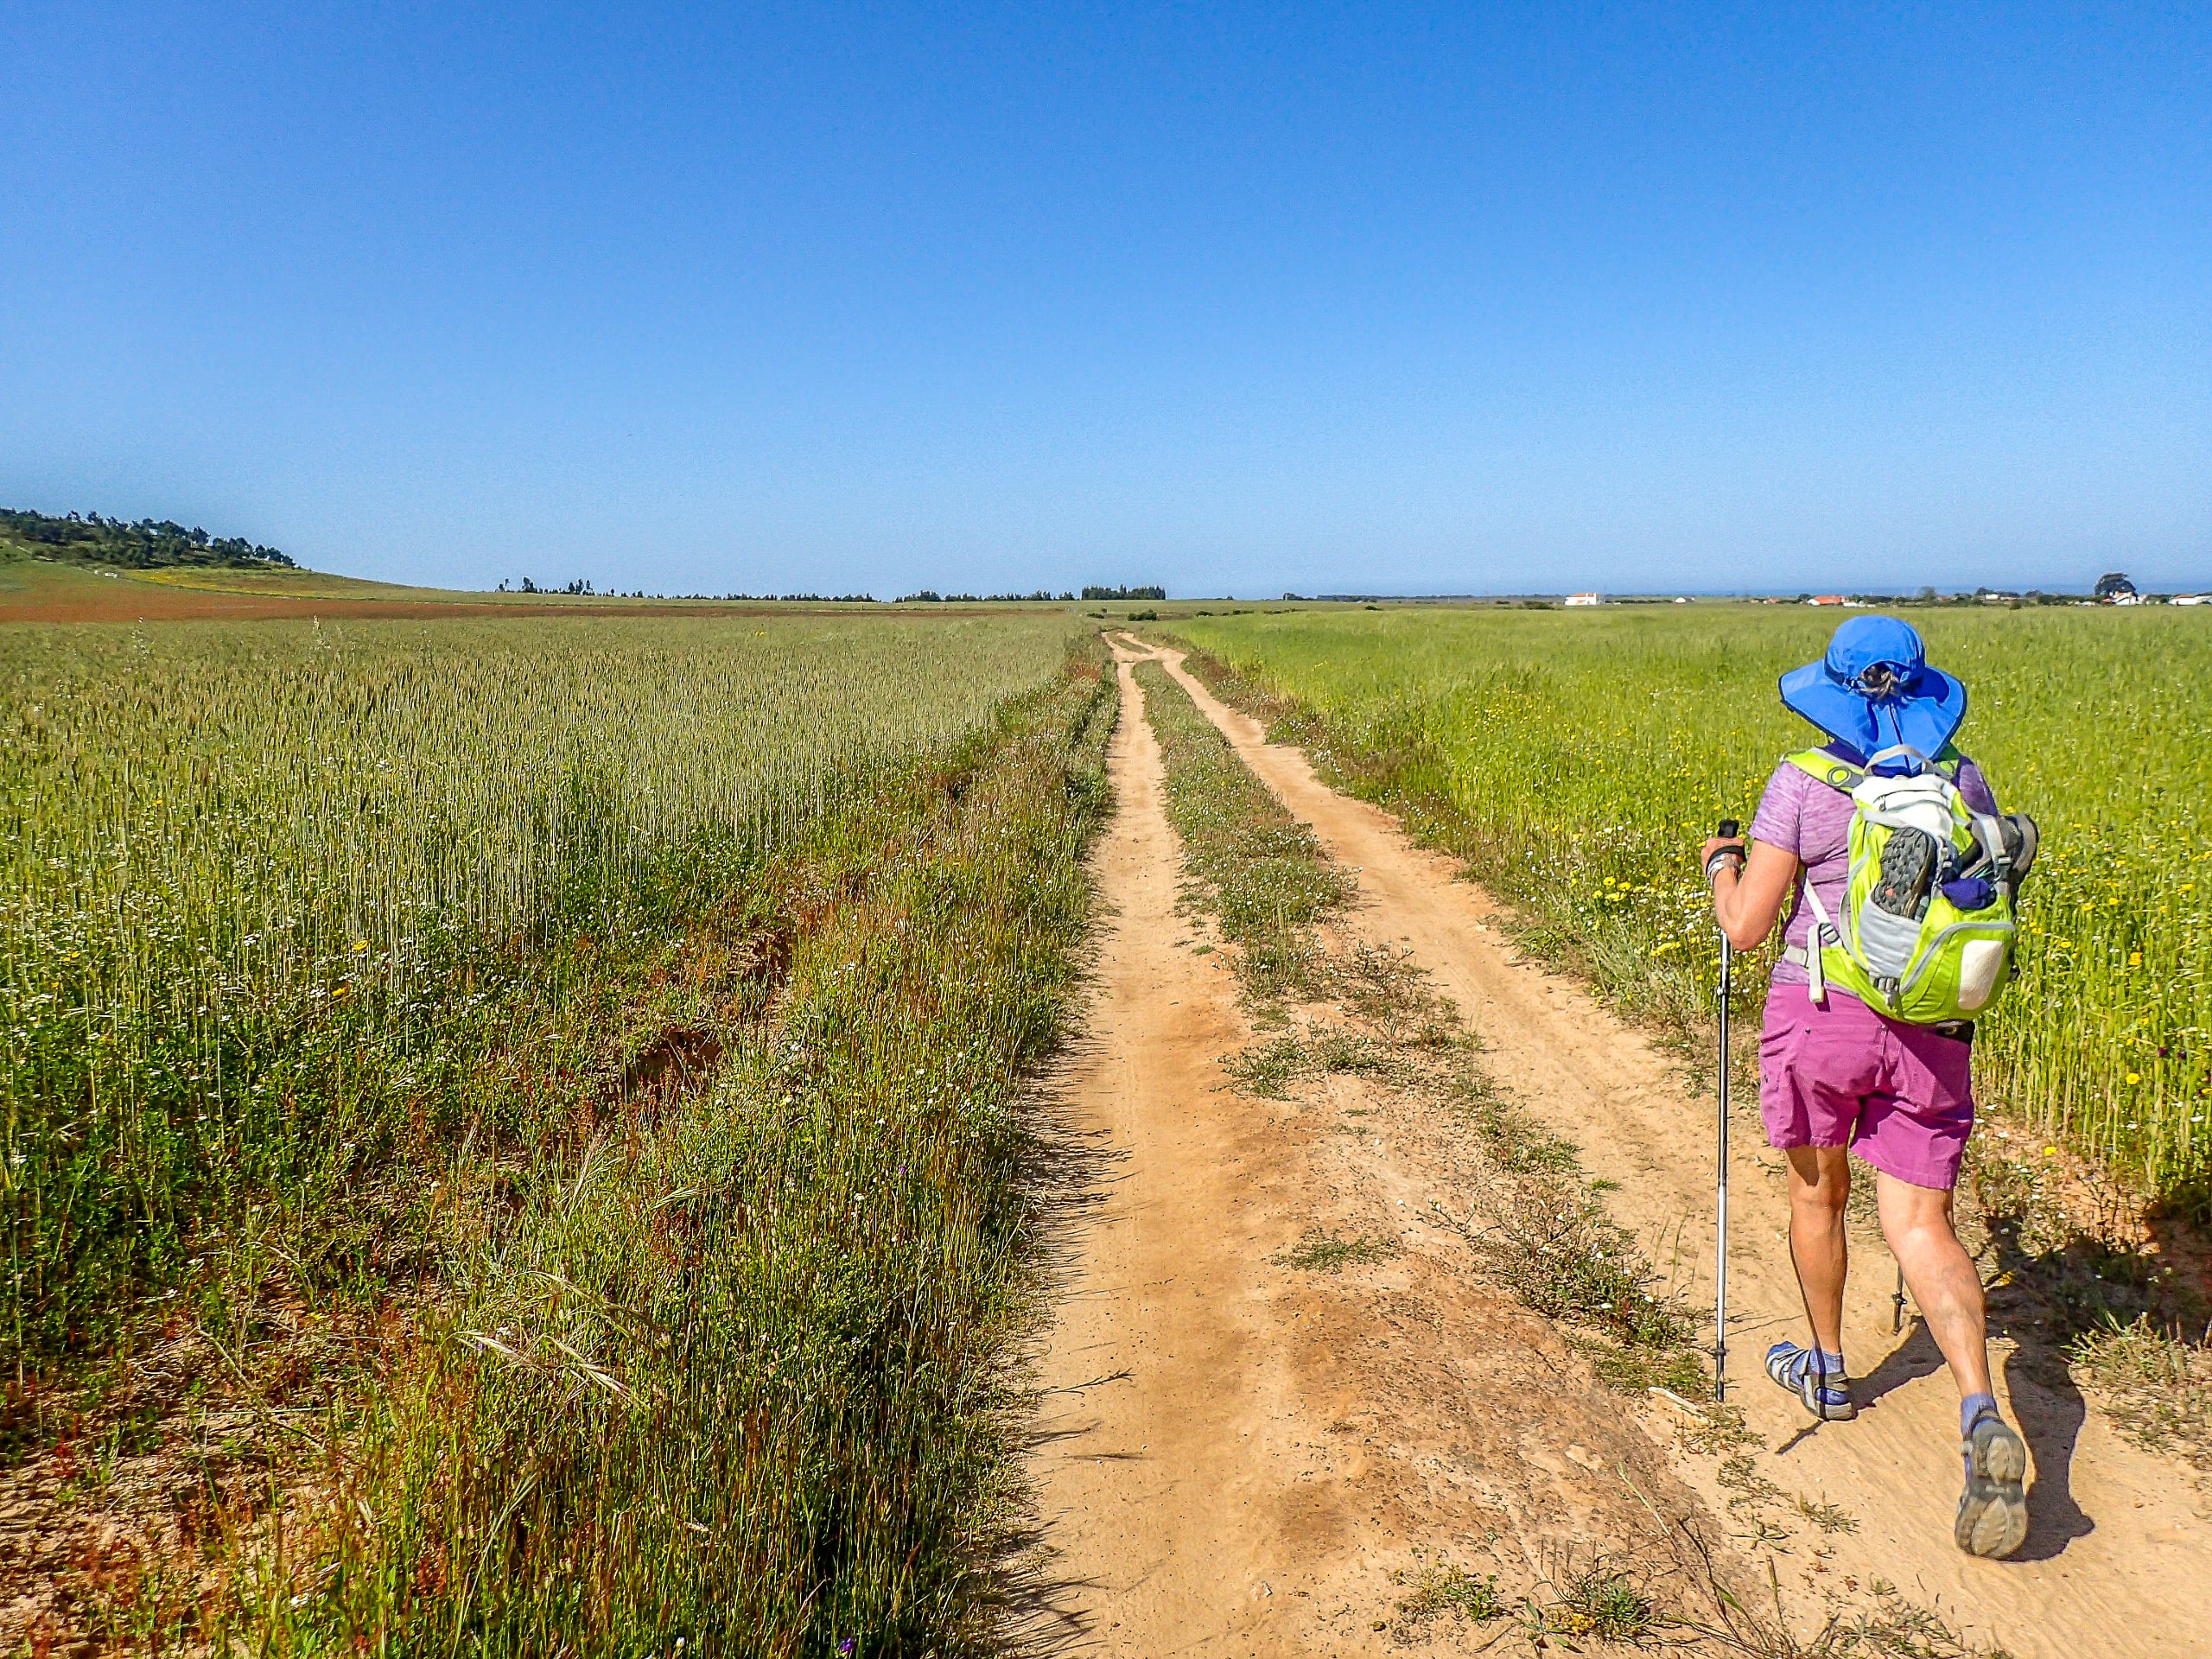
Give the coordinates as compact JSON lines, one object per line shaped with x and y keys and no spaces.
{"x":1255,"y":866}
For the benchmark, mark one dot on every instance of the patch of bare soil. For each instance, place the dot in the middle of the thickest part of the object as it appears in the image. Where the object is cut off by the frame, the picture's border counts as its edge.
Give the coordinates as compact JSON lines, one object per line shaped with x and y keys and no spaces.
{"x":124,"y":600}
{"x":679,"y":1061}
{"x":2119,"y":1547}
{"x":1284,"y":1412}
{"x":38,"y":591}
{"x":111,"y":1532}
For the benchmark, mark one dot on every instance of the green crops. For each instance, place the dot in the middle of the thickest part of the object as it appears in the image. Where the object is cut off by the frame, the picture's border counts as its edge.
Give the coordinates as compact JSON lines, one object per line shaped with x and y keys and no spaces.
{"x":736,"y":1377}
{"x":254,"y":878}
{"x":1582,"y":756}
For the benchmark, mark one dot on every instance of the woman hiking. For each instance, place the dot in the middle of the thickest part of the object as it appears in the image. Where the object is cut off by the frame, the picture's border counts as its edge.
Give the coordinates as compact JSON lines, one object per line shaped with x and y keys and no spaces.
{"x":1838,"y":1075}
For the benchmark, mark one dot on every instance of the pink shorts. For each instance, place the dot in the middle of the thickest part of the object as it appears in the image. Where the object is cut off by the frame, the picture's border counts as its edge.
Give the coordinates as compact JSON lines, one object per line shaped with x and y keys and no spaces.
{"x":1838,"y":1074}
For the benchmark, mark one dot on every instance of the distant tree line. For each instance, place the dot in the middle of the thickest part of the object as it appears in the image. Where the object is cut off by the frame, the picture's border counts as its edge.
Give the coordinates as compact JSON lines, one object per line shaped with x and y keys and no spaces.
{"x":1125,"y":592}
{"x":527,"y":586}
{"x":91,"y":539}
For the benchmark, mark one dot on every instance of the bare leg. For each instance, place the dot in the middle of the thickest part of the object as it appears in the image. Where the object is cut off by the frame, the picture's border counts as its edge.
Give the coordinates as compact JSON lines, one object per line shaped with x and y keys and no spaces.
{"x":1819,"y":1182}
{"x":1917,"y":1220}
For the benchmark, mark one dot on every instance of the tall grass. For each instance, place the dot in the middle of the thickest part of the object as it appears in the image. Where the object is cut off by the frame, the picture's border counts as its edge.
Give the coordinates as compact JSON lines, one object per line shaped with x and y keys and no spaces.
{"x":1580,"y":757}
{"x":735,"y":1380}
{"x":257,"y":882}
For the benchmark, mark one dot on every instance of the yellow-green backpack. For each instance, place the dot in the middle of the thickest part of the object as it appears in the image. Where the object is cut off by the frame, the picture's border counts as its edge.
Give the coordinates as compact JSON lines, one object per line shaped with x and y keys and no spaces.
{"x":1928,"y":926}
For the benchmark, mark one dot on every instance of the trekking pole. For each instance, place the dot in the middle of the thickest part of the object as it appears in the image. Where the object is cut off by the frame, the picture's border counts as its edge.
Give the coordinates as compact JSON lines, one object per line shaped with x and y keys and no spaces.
{"x":1720,"y":1235}
{"x":1897,"y":1305}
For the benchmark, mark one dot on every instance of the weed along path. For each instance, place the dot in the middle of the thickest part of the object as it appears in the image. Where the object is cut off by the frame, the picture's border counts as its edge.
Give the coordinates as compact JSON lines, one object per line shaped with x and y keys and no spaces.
{"x":1280,"y":1416}
{"x":2121,"y":1547}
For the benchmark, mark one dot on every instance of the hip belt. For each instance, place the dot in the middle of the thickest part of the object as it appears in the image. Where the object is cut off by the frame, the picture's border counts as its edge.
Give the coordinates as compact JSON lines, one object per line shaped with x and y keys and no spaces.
{"x":1961,"y":1029}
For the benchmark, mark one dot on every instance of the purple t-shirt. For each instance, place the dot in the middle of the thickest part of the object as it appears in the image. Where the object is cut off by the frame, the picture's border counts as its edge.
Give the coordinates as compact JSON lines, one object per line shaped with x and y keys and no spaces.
{"x":1812,"y":820}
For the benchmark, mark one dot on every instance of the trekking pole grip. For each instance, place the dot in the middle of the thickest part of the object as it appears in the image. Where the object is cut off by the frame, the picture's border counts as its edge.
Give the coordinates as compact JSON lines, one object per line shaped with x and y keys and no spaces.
{"x":1721,"y":855}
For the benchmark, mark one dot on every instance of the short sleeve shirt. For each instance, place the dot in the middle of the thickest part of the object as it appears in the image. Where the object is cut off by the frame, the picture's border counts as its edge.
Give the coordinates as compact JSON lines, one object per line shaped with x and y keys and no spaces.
{"x":1811,"y":821}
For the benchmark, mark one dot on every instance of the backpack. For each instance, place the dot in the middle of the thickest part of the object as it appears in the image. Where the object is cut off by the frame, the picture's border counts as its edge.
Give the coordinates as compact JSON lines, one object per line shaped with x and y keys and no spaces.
{"x":1928,"y":926}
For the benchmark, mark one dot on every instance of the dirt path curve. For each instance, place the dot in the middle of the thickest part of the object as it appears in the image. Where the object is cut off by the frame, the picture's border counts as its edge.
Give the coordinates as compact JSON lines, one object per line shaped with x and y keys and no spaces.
{"x":2120,"y":1557}
{"x":1234,"y":1455}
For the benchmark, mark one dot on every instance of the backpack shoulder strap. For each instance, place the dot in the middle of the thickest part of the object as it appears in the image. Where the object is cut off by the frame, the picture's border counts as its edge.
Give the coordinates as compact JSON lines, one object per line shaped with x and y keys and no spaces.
{"x":1824,"y":768}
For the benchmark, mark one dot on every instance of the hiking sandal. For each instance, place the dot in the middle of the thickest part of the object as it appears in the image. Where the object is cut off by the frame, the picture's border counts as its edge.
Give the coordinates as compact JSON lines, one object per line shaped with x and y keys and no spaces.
{"x":1825,"y":1395}
{"x":1994,"y":1509}
{"x":1908,"y":866}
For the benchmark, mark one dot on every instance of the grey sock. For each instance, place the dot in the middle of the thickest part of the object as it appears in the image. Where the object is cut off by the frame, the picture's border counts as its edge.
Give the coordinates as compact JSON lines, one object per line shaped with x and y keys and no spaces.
{"x":1973,"y":1407}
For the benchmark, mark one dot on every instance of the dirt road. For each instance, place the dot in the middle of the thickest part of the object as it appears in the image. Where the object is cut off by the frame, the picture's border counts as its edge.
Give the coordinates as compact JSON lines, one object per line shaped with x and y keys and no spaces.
{"x":1237,"y":1455}
{"x":1230,"y":1489}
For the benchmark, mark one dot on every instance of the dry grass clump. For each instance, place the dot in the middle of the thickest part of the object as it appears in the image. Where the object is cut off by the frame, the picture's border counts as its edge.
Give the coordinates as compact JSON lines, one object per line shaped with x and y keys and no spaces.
{"x":1602,"y":1600}
{"x":1438,"y":1589}
{"x":2158,"y":1387}
{"x":1267,"y":1069}
{"x":1320,"y":1251}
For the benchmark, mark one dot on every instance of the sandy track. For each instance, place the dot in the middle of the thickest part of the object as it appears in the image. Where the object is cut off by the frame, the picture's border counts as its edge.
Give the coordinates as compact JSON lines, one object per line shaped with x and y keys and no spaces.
{"x":2120,"y":1556}
{"x":1235,"y":1455}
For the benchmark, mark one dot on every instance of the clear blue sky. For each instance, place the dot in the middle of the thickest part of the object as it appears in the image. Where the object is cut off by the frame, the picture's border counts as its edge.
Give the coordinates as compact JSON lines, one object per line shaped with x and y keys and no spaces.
{"x":1239,"y":300}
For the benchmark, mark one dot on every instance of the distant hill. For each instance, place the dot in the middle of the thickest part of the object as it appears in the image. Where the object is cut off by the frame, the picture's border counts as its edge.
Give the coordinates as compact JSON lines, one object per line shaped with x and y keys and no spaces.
{"x":149,"y":544}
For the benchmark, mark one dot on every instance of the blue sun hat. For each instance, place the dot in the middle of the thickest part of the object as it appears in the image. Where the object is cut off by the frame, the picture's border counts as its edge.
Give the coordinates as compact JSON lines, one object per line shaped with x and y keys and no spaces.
{"x":1875,"y":693}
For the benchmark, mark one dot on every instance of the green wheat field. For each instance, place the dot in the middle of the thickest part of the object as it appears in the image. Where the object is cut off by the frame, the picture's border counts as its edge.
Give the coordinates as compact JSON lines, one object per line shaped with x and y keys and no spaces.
{"x":515,"y":1123}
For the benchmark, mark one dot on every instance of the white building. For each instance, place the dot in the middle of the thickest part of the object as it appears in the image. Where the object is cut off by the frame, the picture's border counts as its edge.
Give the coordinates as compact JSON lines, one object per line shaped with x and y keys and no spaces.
{"x":1584,"y":599}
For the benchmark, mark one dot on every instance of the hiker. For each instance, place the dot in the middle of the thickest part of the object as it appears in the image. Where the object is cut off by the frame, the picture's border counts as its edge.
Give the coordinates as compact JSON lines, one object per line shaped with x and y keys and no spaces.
{"x":1850,"y":1059}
